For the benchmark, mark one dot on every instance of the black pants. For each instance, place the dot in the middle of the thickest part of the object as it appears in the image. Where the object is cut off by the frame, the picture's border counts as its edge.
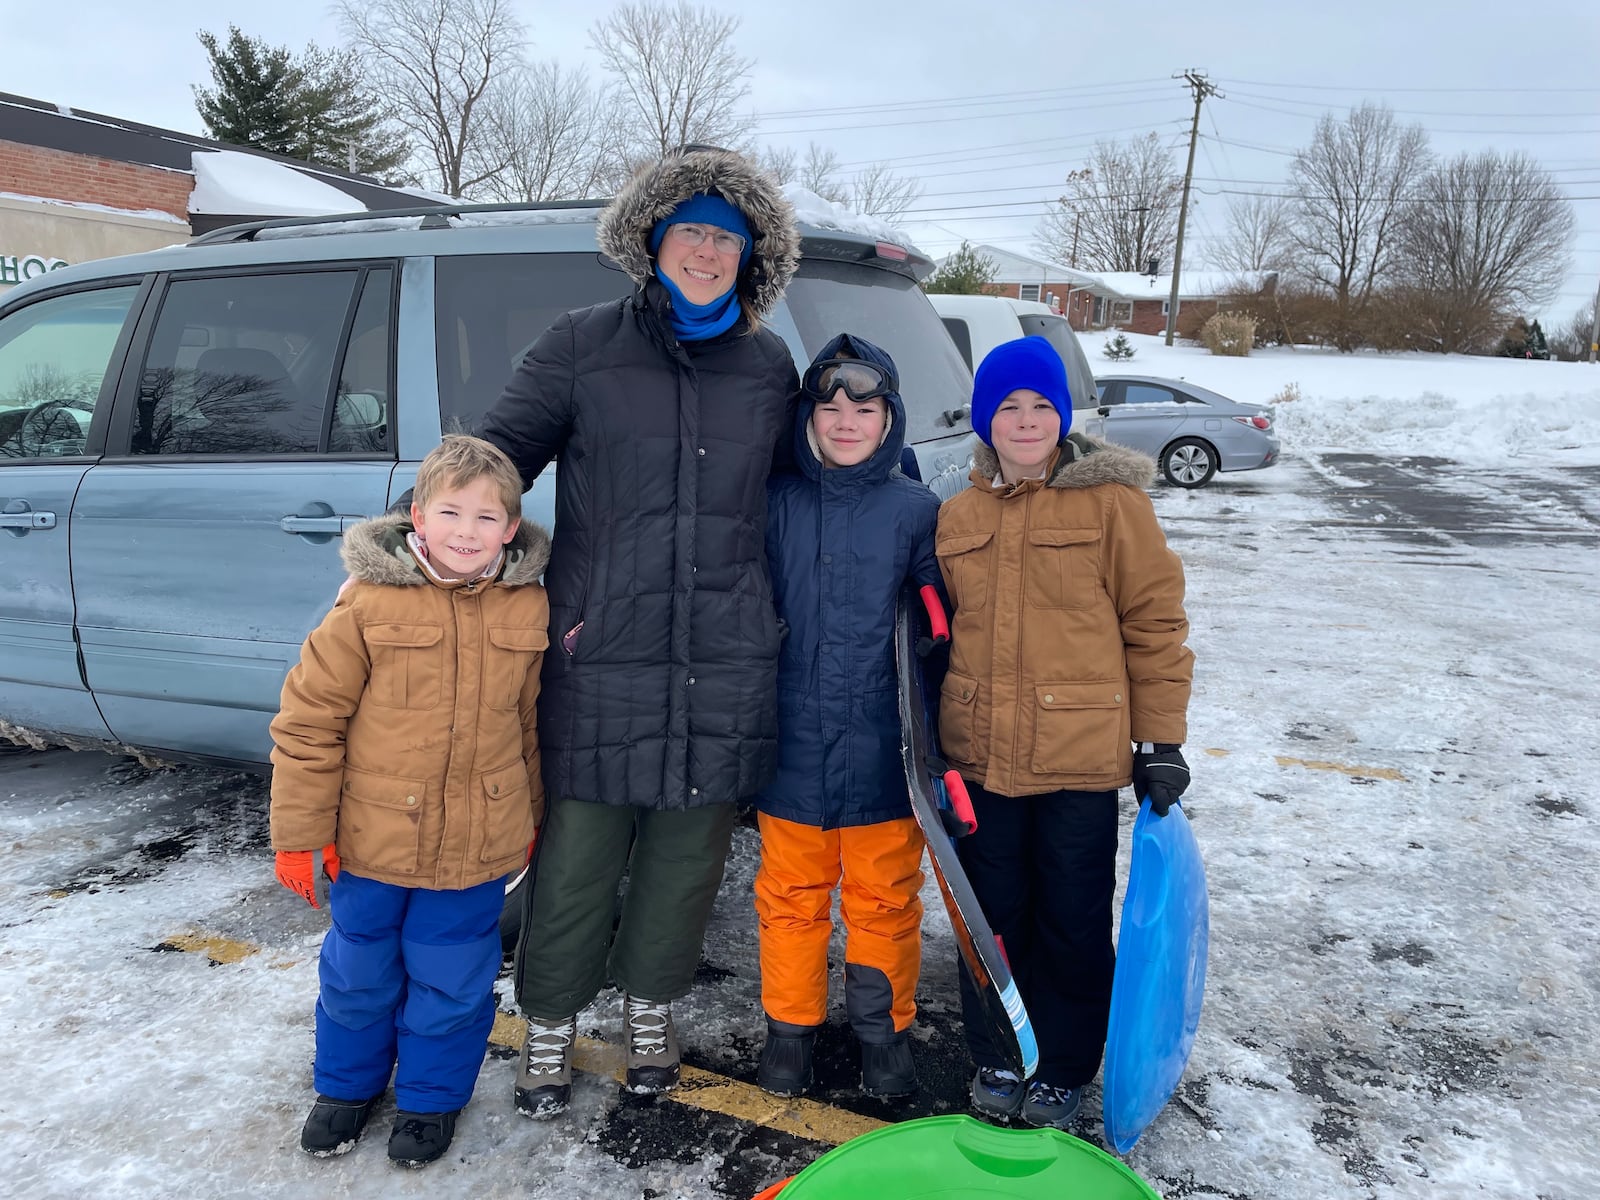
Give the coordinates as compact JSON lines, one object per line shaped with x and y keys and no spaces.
{"x":1044,"y":870}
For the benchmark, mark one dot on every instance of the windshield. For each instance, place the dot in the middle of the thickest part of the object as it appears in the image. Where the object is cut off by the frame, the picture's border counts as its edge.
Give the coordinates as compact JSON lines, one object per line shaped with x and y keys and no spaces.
{"x":829,"y":298}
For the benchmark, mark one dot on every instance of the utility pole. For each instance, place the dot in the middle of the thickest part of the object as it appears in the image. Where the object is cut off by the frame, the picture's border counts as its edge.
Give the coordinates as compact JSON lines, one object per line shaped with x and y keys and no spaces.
{"x":1076,"y":217}
{"x":1594,"y":327}
{"x":1201,"y":88}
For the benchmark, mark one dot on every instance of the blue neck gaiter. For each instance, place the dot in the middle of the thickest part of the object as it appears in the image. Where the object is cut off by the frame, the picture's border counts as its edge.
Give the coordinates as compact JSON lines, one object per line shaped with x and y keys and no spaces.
{"x":697,"y":322}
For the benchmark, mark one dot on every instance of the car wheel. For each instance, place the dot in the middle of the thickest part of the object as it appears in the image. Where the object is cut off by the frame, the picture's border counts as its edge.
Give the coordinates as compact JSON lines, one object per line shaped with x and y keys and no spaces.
{"x":511,"y":915}
{"x":1188,"y":463}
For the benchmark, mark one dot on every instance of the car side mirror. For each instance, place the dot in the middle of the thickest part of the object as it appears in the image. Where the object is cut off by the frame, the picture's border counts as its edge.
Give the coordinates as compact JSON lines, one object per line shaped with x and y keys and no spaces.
{"x":953,"y":416}
{"x":1104,"y":410}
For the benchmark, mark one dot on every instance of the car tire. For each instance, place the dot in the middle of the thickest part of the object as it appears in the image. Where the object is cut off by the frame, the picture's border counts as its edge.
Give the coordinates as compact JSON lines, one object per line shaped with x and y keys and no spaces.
{"x":1189,"y":463}
{"x":511,"y":915}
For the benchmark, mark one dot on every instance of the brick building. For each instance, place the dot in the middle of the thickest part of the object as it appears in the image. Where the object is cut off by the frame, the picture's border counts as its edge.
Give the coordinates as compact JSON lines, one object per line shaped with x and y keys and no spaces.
{"x":78,"y":186}
{"x":1111,"y":299}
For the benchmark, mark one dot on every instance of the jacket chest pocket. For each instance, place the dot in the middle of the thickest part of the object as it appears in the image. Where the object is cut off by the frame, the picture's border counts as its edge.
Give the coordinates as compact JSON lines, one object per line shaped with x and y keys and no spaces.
{"x":407,"y":665}
{"x":1063,"y":569}
{"x":966,"y":559}
{"x":512,"y":653}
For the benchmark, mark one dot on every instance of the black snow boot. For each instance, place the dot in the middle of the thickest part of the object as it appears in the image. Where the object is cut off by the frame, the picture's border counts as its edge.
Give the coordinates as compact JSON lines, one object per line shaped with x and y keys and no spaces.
{"x":887,"y":1070}
{"x":419,"y":1138}
{"x":334,"y":1126}
{"x":785,"y":1068}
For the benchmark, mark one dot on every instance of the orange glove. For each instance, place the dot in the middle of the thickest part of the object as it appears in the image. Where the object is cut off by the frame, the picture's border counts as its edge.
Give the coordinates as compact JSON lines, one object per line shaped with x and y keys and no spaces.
{"x":295,"y":871}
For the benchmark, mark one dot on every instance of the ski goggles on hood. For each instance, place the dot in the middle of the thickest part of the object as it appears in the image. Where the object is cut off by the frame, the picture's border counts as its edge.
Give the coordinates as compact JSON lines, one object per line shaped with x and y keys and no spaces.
{"x":861,"y":380}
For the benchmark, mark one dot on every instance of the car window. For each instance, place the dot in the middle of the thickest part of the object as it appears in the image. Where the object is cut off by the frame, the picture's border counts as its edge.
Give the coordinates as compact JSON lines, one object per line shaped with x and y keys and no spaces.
{"x":361,"y":406}
{"x":827,"y":298}
{"x":1056,"y":331}
{"x":53,"y":360}
{"x":1148,"y":393}
{"x":490,"y":309}
{"x":242,"y":365}
{"x":961,"y":335}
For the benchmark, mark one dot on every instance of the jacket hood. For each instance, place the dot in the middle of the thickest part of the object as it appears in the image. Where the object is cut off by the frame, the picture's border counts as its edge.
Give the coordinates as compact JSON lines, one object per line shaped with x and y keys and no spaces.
{"x":625,"y":225}
{"x":1083,"y":462}
{"x":886,"y":457}
{"x":375,"y":551}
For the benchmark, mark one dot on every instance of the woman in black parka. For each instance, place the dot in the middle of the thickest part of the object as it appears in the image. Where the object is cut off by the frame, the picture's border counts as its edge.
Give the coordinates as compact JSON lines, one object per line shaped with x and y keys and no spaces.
{"x":662,"y":411}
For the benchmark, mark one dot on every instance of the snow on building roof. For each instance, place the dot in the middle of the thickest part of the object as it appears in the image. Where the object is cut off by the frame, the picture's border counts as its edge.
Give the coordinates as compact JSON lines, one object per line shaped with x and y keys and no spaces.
{"x":1192,"y":285}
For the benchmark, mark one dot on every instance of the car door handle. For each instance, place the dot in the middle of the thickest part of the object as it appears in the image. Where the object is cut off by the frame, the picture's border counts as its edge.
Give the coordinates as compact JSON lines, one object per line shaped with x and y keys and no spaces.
{"x":336,"y":523}
{"x":26,"y":518}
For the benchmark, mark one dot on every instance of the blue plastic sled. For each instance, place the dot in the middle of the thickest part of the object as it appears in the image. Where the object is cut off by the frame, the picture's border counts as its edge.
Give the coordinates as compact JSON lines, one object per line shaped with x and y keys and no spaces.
{"x":1160,"y":978}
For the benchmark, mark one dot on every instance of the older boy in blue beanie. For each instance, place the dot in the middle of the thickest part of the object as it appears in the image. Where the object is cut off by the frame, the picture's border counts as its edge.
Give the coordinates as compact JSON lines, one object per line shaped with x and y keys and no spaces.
{"x":847,"y":533}
{"x":1066,"y":651}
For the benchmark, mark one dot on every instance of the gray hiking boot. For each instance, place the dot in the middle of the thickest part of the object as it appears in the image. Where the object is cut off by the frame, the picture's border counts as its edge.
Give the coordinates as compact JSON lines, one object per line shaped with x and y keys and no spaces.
{"x":544,"y":1075}
{"x":997,"y":1093}
{"x":652,"y":1046}
{"x":1051,"y":1107}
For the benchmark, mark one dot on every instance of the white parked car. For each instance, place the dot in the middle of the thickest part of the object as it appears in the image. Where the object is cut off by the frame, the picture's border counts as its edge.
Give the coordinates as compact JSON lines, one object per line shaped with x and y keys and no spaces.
{"x":977,"y":324}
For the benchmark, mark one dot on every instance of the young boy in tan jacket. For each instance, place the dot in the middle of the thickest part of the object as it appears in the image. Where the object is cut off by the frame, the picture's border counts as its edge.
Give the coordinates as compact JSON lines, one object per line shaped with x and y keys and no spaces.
{"x":405,"y":750}
{"x":1068,"y":679}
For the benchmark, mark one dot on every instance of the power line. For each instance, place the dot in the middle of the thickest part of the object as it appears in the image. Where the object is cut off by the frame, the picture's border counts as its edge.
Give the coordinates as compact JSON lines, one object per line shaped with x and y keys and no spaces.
{"x":1417,"y":112}
{"x":1032,"y":112}
{"x":1027,"y":94}
{"x":1343,"y":87}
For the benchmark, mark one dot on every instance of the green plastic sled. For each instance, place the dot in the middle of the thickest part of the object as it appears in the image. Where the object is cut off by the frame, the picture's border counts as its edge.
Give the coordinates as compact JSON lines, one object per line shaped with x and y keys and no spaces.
{"x":958,"y":1158}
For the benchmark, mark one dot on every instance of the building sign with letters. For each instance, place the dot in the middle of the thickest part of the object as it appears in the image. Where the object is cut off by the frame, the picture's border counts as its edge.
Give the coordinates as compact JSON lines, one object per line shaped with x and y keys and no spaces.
{"x":14,"y":268}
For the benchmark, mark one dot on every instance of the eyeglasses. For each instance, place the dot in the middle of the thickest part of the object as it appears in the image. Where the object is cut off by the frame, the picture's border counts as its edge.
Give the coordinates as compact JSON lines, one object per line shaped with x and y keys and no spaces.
{"x":860,"y":380}
{"x":695,"y":235}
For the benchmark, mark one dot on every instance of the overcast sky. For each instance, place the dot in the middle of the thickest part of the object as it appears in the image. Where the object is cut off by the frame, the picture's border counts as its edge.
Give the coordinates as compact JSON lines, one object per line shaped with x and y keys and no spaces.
{"x":1027,"y":88}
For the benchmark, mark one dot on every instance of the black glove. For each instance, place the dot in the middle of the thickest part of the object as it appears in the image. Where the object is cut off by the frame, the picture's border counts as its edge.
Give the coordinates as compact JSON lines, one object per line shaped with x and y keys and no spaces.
{"x":1160,"y":773}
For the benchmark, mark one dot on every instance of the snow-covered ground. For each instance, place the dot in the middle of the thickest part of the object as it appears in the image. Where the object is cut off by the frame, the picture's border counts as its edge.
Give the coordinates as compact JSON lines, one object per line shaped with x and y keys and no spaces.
{"x":1393,"y":734}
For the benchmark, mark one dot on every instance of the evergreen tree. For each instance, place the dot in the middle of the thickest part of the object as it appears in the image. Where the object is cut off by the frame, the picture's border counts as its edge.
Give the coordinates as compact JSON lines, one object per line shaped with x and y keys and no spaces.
{"x":1537,"y":346}
{"x":316,"y":107}
{"x":252,"y":102}
{"x":1515,"y":342}
{"x":964,"y":273}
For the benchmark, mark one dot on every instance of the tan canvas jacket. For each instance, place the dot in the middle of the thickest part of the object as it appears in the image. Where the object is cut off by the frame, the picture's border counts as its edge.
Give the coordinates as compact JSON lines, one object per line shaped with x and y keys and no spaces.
{"x":1067,"y":641}
{"x":406,"y":734}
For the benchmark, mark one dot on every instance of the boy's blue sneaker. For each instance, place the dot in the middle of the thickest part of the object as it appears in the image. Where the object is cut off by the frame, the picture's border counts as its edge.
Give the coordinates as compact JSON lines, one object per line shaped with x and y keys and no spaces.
{"x":997,"y":1093}
{"x":1051,"y":1107}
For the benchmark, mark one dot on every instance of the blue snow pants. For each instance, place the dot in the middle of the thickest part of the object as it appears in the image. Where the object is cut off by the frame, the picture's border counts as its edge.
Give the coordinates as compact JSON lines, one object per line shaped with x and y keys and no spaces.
{"x":407,"y":987}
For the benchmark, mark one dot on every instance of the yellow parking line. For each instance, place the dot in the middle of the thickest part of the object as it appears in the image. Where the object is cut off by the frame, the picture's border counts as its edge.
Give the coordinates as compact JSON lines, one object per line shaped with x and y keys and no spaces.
{"x":712,"y":1092}
{"x":1364,"y":772}
{"x":217,"y":949}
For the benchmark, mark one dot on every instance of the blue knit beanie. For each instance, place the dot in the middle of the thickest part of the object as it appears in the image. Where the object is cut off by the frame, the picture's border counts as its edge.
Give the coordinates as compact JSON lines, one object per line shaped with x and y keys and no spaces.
{"x":1029,"y":362}
{"x":702,"y":208}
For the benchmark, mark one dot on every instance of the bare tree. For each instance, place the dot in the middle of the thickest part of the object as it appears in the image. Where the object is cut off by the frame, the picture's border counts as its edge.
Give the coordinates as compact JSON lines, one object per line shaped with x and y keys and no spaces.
{"x":1485,"y":236}
{"x":677,"y":67}
{"x":1570,"y":343}
{"x":879,"y":192}
{"x":436,"y":61}
{"x":550,"y":135}
{"x":780,"y":162}
{"x":1120,"y":211}
{"x":1353,"y":181}
{"x":819,"y":172}
{"x":1257,"y":236}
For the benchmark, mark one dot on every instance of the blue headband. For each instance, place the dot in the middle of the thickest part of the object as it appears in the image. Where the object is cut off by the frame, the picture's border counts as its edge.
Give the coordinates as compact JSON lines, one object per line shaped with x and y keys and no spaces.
{"x":702,"y":208}
{"x":1029,"y":362}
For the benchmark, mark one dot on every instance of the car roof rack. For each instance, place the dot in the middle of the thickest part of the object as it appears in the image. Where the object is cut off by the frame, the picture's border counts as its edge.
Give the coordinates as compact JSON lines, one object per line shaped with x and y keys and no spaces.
{"x":434,"y":216}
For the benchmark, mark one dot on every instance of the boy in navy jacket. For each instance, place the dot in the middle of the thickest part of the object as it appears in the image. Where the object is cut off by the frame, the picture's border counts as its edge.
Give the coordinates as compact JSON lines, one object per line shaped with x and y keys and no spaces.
{"x":847,"y":533}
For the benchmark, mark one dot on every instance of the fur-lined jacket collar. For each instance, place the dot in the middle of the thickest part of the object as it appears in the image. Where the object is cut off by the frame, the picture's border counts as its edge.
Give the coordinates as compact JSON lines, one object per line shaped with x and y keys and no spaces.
{"x":375,"y":551}
{"x":625,"y":225}
{"x":1082,"y":462}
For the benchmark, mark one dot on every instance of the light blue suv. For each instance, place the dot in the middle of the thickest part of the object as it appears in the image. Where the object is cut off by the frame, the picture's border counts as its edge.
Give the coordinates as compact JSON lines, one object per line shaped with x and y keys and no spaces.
{"x":185,"y":434}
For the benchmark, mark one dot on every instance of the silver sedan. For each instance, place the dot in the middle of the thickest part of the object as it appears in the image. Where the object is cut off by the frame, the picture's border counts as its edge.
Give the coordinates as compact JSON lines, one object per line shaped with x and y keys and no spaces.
{"x":1190,"y":431}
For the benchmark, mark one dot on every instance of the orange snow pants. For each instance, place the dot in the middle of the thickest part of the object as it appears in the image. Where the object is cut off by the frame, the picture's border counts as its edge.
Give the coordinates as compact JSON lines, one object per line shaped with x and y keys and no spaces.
{"x":880,"y":867}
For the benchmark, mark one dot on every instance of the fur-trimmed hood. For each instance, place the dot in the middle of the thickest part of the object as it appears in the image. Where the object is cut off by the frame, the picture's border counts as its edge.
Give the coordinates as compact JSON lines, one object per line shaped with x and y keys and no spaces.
{"x":1084,"y":462}
{"x":375,"y":551}
{"x":625,"y":225}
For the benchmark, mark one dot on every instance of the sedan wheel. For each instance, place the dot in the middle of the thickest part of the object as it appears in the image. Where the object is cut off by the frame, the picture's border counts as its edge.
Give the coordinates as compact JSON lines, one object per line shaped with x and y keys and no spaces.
{"x":1188,"y":463}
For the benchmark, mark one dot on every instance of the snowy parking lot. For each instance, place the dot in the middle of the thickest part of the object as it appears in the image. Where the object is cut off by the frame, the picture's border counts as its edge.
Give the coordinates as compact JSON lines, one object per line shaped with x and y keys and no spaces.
{"x":1392,"y":734}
